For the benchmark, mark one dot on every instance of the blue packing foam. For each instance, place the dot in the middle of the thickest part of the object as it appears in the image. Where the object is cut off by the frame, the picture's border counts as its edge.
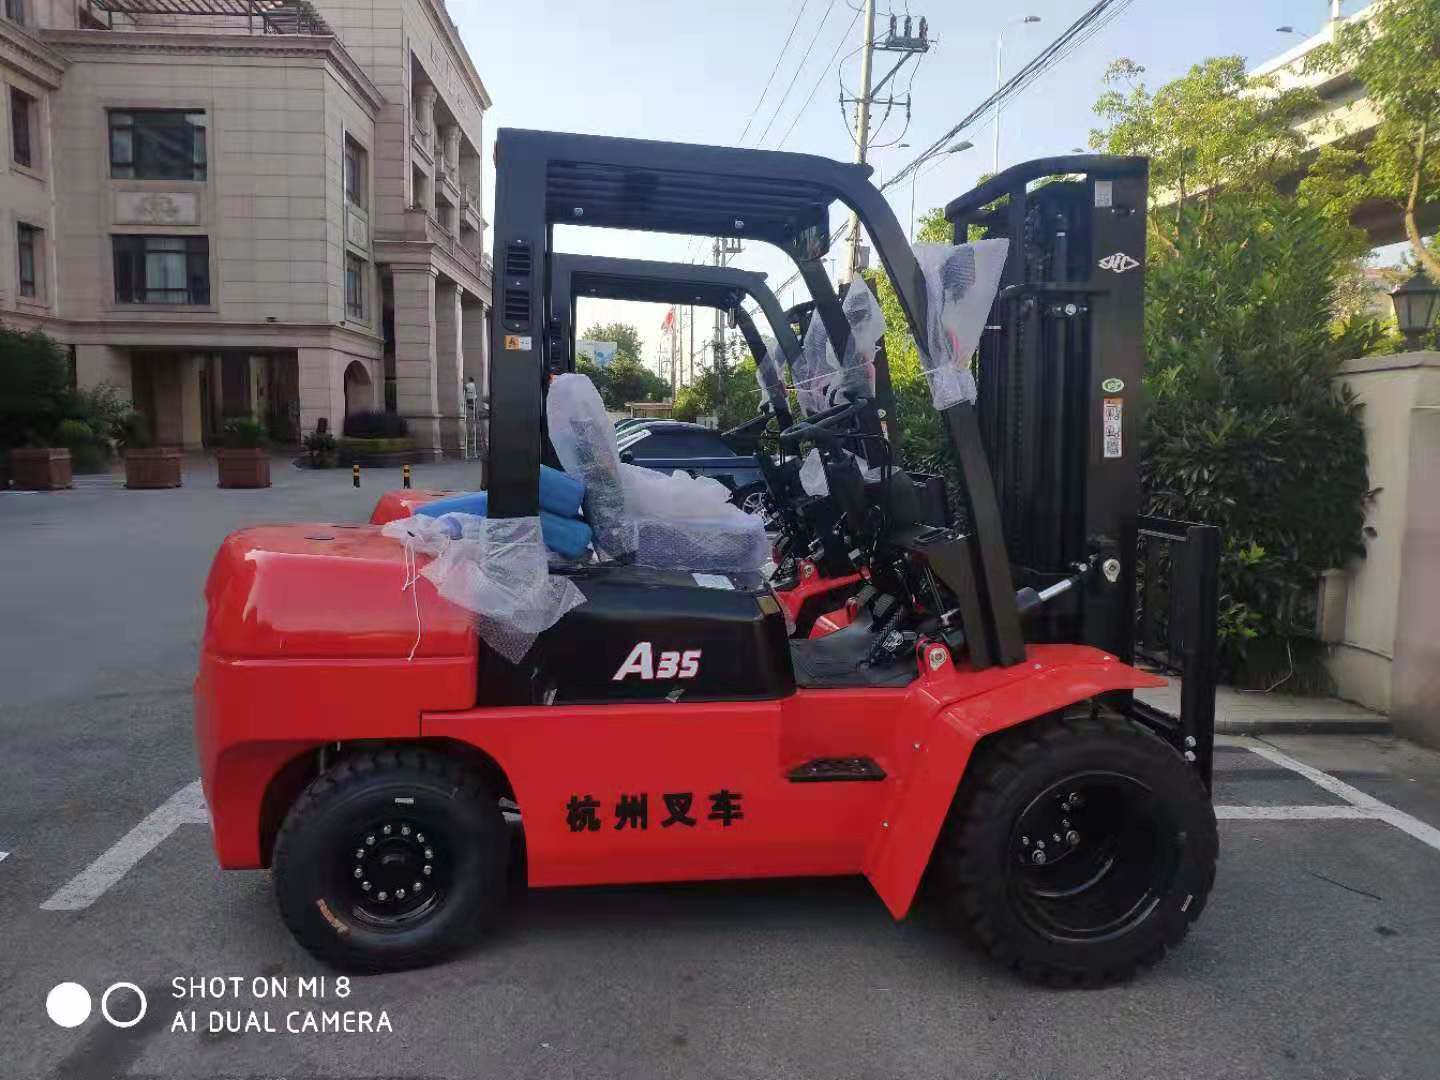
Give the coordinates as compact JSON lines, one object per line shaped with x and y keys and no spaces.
{"x":564,"y":536}
{"x":560,"y":493}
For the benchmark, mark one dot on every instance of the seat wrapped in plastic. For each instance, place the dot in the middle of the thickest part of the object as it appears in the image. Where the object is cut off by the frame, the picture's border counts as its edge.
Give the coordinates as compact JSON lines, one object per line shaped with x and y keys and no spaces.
{"x":584,"y":439}
{"x":678,"y":522}
{"x":497,"y":570}
{"x":960,"y":283}
{"x":812,"y":472}
{"x":824,"y":380}
{"x":688,"y":522}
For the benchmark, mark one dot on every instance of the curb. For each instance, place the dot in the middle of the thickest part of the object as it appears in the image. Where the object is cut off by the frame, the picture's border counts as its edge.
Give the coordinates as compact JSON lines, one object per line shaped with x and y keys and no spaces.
{"x":1272,"y":726}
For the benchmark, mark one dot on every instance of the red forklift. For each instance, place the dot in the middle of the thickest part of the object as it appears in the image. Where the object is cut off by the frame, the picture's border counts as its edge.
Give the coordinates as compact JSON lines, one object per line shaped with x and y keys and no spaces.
{"x":362,"y":738}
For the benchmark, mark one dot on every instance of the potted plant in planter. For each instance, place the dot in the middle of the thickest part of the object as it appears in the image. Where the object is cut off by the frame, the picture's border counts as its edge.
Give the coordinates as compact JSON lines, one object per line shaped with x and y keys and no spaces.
{"x":321,"y":447}
{"x":375,"y":438}
{"x":41,"y":468}
{"x":244,"y":460}
{"x":147,"y":466}
{"x":35,"y":397}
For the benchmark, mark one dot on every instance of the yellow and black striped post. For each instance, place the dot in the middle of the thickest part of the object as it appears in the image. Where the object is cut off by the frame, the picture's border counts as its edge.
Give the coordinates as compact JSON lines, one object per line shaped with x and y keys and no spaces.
{"x":407,"y":476}
{"x":355,"y":474}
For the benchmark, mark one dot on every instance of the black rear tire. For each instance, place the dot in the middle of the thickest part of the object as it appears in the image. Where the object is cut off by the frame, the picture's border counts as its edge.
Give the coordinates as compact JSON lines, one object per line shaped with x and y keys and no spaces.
{"x":406,"y":817}
{"x":1082,"y":892}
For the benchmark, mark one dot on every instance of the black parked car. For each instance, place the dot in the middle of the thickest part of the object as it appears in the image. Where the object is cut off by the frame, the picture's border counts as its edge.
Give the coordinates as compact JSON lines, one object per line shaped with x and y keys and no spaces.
{"x":667,"y":445}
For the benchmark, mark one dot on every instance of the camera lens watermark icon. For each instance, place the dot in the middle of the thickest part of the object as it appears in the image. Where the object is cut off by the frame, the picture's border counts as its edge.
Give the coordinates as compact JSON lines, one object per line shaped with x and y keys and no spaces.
{"x":69,"y":1004}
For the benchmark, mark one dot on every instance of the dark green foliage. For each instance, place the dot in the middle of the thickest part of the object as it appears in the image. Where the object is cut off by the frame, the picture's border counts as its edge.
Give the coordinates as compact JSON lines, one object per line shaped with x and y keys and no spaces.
{"x":34,"y":388}
{"x":375,"y":424}
{"x":245,"y":434}
{"x":320,"y":445}
{"x":1246,"y":429}
{"x":732,"y":398}
{"x":89,"y":452}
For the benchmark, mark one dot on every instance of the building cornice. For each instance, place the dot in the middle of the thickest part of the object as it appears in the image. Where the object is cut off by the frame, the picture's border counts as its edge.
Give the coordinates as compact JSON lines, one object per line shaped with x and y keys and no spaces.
{"x":446,"y":26}
{"x":21,"y":49}
{"x":86,"y":44}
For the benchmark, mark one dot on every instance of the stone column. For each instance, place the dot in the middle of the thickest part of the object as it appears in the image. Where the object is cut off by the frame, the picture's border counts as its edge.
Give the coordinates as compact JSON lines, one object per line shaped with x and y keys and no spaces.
{"x":475,"y":337}
{"x":191,"y":404}
{"x":96,"y":364}
{"x":322,"y":393}
{"x":425,"y":115}
{"x":416,"y":387}
{"x":451,"y":132}
{"x":449,"y":361}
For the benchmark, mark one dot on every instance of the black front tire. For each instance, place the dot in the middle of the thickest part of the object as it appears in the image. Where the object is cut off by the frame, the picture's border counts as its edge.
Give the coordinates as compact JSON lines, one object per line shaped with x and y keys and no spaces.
{"x":1090,"y":906}
{"x":461,"y":859}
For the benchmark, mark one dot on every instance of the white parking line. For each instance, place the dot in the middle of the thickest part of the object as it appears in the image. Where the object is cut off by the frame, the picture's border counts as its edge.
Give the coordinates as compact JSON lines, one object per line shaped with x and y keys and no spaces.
{"x":1293,"y":813}
{"x":186,"y":806}
{"x":1371,"y":806}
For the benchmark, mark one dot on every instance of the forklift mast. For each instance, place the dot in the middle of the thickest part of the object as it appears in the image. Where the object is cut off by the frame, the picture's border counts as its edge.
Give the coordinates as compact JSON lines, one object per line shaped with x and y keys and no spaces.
{"x":1061,"y":415}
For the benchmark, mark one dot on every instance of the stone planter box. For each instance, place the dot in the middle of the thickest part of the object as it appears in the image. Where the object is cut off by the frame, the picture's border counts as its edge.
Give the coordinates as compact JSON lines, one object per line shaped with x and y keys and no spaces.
{"x":382,"y":453}
{"x":45,"y":469}
{"x":152,"y":468}
{"x":245,"y":468}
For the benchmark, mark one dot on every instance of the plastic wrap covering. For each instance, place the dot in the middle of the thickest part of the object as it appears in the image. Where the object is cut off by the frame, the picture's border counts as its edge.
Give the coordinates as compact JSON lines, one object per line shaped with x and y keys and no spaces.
{"x":688,"y":523}
{"x":825,"y":381}
{"x":769,"y":373}
{"x":960,"y":283}
{"x":814,"y":480}
{"x":495,"y":569}
{"x":584,"y":440}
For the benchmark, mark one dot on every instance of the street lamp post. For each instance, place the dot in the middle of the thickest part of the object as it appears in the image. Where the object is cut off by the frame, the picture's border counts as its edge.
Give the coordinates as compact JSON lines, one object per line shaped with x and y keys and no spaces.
{"x":1417,"y":302}
{"x":999,"y":68}
{"x":954,"y":148}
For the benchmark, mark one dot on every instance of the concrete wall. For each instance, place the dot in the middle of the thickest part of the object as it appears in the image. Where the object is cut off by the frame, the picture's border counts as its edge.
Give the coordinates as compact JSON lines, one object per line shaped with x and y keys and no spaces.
{"x":27,"y":194}
{"x":1386,"y":626}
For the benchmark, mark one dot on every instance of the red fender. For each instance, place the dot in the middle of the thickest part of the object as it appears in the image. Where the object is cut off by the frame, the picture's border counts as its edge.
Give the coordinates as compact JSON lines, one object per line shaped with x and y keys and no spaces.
{"x":946,"y":738}
{"x":403,"y":502}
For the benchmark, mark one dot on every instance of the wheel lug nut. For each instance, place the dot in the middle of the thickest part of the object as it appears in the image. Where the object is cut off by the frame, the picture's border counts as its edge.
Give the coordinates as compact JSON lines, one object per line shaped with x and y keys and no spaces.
{"x":426,"y":871}
{"x":1072,"y":838}
{"x":370,"y":839}
{"x":1037,"y":857}
{"x":429,"y":854}
{"x":420,"y":837}
{"x":1055,"y":837}
{"x":404,"y":830}
{"x":359,"y":872}
{"x":360,"y":853}
{"x":1025,"y":841}
{"x":386,"y":830}
{"x":382,"y":895}
{"x":365,"y":885}
{"x":399,"y":894}
{"x":419,"y":885}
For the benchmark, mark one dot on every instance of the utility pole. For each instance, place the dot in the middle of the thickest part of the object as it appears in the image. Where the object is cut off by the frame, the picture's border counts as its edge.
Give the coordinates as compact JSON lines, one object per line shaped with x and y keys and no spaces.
{"x":862,"y":130}
{"x":999,"y":68}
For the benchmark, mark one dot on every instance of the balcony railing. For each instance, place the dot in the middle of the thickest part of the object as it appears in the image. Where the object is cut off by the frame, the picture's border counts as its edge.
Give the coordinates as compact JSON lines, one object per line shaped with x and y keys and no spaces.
{"x":244,"y":16}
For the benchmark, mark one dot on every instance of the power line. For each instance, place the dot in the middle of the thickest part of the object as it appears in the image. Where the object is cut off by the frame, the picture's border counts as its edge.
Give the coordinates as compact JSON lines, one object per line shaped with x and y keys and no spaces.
{"x":1081,"y":30}
{"x":756,"y":111}
{"x":823,"y":72}
{"x":798,"y":68}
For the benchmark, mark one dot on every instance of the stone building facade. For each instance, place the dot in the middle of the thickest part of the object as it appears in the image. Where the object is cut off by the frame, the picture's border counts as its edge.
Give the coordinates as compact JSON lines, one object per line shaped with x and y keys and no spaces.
{"x":258,"y":208}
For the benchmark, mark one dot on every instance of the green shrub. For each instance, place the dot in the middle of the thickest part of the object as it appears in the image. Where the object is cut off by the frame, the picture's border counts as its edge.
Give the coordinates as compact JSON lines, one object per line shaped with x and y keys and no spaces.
{"x":245,"y":434}
{"x":360,"y":447}
{"x":1245,"y":428}
{"x":35,"y":390}
{"x":375,"y":424}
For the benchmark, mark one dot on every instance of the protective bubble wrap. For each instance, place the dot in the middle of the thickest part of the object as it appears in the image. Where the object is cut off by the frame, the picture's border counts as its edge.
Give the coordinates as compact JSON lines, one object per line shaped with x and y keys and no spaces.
{"x":824,"y":381}
{"x":687,"y":522}
{"x":812,"y":473}
{"x":584,"y":439}
{"x":769,"y":374}
{"x":960,"y":282}
{"x":496,"y":569}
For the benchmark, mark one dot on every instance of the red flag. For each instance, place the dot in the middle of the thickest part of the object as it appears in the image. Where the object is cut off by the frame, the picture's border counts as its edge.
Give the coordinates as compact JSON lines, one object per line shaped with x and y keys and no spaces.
{"x":669,"y":320}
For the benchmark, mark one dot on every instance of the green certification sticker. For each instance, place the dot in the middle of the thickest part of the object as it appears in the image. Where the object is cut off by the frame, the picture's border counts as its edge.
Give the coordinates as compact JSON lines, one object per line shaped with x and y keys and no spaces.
{"x":1113,"y":386}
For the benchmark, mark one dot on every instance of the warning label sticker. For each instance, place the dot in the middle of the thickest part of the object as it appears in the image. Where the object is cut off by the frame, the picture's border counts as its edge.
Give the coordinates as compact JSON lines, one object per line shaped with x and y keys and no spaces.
{"x":518,"y":342}
{"x":1112,"y":415}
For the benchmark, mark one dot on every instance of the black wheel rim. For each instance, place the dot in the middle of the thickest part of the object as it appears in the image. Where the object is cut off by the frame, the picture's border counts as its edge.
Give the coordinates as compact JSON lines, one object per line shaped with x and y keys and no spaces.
{"x":1091,"y":857}
{"x":395,"y":872}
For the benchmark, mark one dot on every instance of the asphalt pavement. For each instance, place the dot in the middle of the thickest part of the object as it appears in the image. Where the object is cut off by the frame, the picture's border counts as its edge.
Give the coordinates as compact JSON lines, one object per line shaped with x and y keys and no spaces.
{"x":1318,"y":955}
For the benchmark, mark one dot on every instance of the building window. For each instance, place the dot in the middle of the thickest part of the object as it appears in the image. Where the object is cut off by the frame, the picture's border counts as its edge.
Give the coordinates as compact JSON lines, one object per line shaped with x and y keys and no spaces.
{"x":15,"y":11}
{"x":162,"y":269}
{"x":354,"y":172}
{"x":27,"y":239}
{"x":22,"y":108}
{"x":355,"y":268}
{"x":157,"y":144}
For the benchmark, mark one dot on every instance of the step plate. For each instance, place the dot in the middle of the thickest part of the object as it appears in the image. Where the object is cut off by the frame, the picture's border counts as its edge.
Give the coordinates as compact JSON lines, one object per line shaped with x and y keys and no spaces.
{"x":833,"y":770}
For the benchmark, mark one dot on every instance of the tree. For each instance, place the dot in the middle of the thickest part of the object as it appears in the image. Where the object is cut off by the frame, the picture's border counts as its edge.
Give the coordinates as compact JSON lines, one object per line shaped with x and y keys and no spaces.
{"x":1214,"y":128}
{"x":625,"y":336}
{"x":1246,"y":429}
{"x":625,"y":378}
{"x":732,"y":397}
{"x":35,"y":393}
{"x":1396,"y":55}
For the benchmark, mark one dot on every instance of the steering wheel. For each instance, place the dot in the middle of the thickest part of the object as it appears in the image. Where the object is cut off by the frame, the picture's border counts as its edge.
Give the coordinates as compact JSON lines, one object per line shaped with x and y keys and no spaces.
{"x":822,"y":426}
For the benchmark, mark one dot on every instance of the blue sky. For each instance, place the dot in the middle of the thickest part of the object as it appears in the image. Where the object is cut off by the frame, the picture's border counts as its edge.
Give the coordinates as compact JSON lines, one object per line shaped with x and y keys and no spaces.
{"x":691,"y":71}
